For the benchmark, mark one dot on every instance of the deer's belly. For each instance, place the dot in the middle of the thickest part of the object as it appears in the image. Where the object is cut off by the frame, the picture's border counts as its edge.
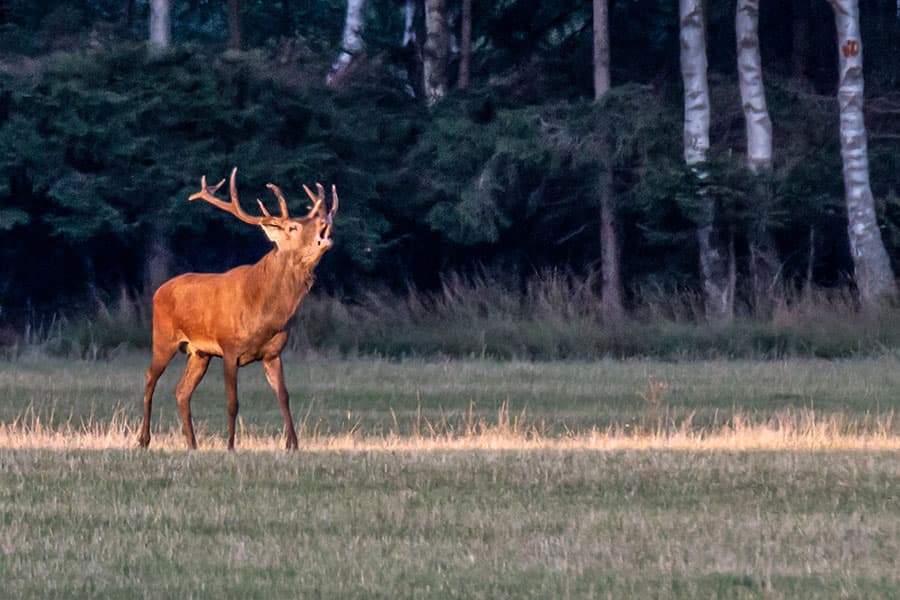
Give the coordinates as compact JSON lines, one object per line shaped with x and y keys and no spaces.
{"x":246,"y":351}
{"x":201,"y":347}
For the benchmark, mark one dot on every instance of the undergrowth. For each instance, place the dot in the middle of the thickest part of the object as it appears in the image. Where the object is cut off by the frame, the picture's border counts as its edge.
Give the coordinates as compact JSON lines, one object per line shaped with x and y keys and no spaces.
{"x":551,"y":317}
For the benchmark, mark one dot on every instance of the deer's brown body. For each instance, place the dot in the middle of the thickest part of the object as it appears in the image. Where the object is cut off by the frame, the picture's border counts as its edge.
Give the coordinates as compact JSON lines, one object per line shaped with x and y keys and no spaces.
{"x":240,"y":315}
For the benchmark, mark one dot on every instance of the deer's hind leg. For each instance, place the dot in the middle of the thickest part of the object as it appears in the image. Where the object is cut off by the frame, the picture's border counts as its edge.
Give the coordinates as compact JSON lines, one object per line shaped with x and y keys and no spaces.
{"x":275,"y":377}
{"x":194,"y":371}
{"x":231,"y":365}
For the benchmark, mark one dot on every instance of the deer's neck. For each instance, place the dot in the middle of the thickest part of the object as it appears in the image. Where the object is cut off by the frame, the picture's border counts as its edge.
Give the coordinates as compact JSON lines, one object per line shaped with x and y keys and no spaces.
{"x":280,"y":283}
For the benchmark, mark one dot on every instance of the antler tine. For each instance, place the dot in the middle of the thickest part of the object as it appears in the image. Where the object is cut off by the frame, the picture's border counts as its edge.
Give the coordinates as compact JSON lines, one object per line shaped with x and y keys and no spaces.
{"x":281,"y":201}
{"x":205,"y":189}
{"x":207,"y":194}
{"x":317,"y":201}
{"x":232,"y":187}
{"x":262,"y":207}
{"x":334,"y":201}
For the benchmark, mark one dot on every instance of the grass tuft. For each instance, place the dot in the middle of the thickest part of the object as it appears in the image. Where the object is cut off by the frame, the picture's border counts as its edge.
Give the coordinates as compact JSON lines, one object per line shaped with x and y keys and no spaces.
{"x":787,"y":430}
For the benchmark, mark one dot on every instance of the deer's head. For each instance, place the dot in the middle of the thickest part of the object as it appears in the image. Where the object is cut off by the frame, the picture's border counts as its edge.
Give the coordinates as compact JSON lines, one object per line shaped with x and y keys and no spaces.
{"x":306,"y":238}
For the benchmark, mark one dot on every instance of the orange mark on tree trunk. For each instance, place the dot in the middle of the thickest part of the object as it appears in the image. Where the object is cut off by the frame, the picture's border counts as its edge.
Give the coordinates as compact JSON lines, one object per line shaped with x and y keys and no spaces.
{"x":850,"y":48}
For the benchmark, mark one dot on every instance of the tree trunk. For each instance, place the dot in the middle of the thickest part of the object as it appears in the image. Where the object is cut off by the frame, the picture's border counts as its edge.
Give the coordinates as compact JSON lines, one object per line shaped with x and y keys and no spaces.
{"x":465,"y":44}
{"x":611,"y":309}
{"x":753,"y":96}
{"x":611,"y":306}
{"x":873,"y":274}
{"x":437,"y":50}
{"x":601,"y":48}
{"x":160,"y":26}
{"x":128,"y":14}
{"x":800,"y":39}
{"x":409,"y":19}
{"x":810,"y":265}
{"x":718,"y":294}
{"x":286,"y":26}
{"x":157,"y":265}
{"x":758,"y":126}
{"x":413,"y":35}
{"x":235,"y":28}
{"x":352,"y":44}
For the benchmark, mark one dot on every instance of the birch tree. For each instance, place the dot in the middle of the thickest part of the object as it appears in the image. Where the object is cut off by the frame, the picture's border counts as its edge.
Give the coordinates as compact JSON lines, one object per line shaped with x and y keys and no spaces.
{"x":160,"y":25}
{"x":872,"y":269}
{"x":716,"y":268}
{"x":352,"y":44}
{"x":753,"y":97}
{"x":611,"y":309}
{"x":758,"y":126}
{"x":437,"y":50}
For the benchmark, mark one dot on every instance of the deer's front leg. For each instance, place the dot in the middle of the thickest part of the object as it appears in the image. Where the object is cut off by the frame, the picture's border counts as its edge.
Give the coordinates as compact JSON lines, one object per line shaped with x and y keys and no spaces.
{"x":275,"y":377}
{"x":231,"y":368}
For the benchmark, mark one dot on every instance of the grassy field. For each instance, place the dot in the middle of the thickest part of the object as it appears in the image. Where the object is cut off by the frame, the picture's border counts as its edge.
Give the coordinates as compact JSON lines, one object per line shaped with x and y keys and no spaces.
{"x":458,"y":479}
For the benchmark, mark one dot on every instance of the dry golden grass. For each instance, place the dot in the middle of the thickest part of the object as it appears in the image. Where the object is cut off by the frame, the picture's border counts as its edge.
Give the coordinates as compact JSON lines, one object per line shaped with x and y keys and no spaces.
{"x":802,"y":430}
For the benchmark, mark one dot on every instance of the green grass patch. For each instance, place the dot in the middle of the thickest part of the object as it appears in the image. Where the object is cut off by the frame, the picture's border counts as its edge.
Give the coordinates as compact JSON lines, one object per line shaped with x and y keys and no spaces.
{"x":378,"y":395}
{"x":459,"y":523}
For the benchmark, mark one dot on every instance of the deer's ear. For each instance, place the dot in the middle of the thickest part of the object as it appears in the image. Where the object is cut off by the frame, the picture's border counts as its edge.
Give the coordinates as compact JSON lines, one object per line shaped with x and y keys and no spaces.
{"x":274,"y":232}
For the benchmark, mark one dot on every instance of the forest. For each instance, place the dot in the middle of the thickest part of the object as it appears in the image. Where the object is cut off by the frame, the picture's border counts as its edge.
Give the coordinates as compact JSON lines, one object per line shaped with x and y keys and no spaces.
{"x":608,"y":308}
{"x":511,"y":166}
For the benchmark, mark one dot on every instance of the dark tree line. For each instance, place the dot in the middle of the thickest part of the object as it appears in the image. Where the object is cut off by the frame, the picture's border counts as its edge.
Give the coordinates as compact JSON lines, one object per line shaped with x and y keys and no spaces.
{"x":480,"y":143}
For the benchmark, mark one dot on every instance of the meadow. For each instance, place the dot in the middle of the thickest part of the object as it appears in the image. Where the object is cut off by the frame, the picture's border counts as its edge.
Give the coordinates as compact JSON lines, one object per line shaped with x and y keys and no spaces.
{"x":457,"y":478}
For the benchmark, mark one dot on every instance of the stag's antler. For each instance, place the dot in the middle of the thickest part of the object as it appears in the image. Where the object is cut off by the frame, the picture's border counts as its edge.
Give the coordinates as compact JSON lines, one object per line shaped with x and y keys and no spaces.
{"x":334,"y":201}
{"x":207,"y":193}
{"x":319,"y":199}
{"x":281,"y":201}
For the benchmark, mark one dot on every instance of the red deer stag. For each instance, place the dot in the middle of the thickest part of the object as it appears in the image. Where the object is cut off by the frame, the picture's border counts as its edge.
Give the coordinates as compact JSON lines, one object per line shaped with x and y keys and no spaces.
{"x":240,"y":315}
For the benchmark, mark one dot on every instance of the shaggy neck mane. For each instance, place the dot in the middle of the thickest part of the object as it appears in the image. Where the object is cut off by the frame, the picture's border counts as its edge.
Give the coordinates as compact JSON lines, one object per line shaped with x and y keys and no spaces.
{"x":281,"y":280}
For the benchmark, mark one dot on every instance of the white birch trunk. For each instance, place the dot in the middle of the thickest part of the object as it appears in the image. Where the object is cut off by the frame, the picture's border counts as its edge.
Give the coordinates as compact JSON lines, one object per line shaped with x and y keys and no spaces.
{"x":763,"y":266}
{"x":160,"y":25}
{"x":753,"y":96}
{"x":352,"y":43}
{"x":718,"y":294}
{"x":437,"y":48}
{"x":873,"y":274}
{"x":696,"y":87}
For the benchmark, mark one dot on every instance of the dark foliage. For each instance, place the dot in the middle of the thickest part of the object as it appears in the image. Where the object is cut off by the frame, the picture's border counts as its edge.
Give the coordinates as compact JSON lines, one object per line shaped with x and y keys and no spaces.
{"x":100,"y":146}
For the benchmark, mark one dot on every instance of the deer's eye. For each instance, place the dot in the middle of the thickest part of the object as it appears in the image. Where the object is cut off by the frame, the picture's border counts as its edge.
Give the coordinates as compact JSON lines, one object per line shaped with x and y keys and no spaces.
{"x":292,"y":228}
